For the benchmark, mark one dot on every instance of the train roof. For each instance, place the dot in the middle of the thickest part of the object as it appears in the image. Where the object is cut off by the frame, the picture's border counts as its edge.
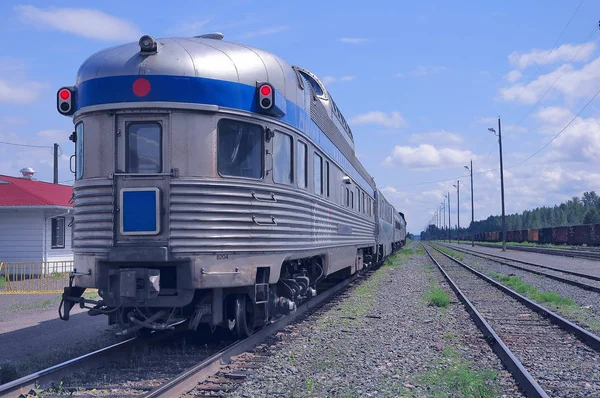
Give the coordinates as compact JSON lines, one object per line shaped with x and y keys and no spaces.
{"x":209,"y":70}
{"x":210,"y":58}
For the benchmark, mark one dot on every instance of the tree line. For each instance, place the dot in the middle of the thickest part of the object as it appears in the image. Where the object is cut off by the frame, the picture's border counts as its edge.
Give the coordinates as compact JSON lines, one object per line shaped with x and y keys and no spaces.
{"x":575,"y":211}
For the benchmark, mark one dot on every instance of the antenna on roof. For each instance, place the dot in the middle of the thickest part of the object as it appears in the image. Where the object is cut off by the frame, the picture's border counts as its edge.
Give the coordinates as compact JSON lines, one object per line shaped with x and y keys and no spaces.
{"x":215,"y":36}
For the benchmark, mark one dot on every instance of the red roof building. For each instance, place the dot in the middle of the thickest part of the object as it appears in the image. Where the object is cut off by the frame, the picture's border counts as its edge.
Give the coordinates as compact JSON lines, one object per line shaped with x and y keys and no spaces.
{"x":28,"y":192}
{"x":35,"y":219}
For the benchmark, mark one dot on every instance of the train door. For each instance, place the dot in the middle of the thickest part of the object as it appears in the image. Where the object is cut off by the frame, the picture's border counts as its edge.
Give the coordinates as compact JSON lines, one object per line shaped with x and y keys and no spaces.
{"x":141,"y":179}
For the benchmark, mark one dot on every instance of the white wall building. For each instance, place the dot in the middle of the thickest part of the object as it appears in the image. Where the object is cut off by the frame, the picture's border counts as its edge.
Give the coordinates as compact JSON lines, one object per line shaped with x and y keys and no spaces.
{"x":34,"y":220}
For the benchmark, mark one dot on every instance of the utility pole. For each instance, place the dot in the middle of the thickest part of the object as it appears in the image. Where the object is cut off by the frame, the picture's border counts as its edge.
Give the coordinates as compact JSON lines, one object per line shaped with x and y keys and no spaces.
{"x":501,"y":184}
{"x":56,"y":163}
{"x":449,"y":223}
{"x":444,"y":218}
{"x":457,"y":186}
{"x":472,"y":207}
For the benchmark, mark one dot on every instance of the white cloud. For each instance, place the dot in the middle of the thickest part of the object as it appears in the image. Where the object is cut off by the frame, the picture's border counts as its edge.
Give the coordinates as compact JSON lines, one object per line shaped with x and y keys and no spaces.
{"x":554,"y":116}
{"x":436,"y":137}
{"x":353,"y":40}
{"x":89,"y":23}
{"x":542,"y":57}
{"x":426,"y":156}
{"x":398,"y":75}
{"x":513,"y":76}
{"x":566,"y":80}
{"x":20,"y":92}
{"x":392,"y":119}
{"x":265,"y":31}
{"x":512,"y":128}
{"x":332,"y":79}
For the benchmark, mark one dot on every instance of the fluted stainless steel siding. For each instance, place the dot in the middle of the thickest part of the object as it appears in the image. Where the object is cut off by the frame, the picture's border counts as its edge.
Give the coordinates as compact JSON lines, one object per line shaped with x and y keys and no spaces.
{"x":93,"y":215}
{"x":216,"y":216}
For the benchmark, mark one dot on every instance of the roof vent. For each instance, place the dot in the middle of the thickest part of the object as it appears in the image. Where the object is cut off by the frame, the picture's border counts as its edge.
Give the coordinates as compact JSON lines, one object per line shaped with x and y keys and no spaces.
{"x":215,"y":36}
{"x":27,"y":172}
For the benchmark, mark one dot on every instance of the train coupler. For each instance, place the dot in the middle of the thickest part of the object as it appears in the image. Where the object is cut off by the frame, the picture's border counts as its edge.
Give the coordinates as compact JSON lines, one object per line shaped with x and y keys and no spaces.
{"x":71,"y":296}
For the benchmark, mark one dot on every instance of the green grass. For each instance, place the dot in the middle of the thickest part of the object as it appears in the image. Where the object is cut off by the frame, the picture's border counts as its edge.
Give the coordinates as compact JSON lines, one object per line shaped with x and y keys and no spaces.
{"x":2,"y":282}
{"x":530,"y":244}
{"x":420,"y":251}
{"x":456,"y":377}
{"x":519,"y":286}
{"x":437,"y":297}
{"x":42,"y":305}
{"x":451,"y":253}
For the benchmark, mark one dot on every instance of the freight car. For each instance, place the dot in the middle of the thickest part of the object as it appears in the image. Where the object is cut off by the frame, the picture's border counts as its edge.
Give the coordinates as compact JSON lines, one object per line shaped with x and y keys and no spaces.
{"x":214,"y":184}
{"x":588,"y":234}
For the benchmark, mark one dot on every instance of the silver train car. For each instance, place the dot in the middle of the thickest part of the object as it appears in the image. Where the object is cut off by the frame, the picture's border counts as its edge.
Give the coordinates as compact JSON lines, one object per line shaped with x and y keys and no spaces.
{"x":215,"y":184}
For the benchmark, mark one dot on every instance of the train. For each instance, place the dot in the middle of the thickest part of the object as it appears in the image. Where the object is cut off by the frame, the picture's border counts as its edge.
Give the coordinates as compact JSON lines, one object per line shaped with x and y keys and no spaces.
{"x":575,"y":235}
{"x":215,"y":184}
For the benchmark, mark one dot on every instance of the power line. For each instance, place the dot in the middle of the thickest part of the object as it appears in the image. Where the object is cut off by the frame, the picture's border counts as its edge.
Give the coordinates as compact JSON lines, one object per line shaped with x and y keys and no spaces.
{"x":564,"y":69}
{"x":559,"y":133}
{"x":521,"y":162}
{"x":26,"y":145}
{"x":555,"y":43}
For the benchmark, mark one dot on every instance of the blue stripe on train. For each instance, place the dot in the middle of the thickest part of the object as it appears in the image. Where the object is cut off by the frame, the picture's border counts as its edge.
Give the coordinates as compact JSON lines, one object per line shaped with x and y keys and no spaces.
{"x":200,"y":90}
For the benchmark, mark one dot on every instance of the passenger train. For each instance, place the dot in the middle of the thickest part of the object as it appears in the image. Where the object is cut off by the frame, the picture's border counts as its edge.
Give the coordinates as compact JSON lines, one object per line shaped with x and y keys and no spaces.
{"x":215,"y":184}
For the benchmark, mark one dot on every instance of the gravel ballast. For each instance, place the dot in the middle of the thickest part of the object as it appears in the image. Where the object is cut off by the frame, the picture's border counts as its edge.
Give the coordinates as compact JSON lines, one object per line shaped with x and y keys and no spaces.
{"x":562,"y":364}
{"x":384,"y":339}
{"x":590,"y":267}
{"x":585,"y":312}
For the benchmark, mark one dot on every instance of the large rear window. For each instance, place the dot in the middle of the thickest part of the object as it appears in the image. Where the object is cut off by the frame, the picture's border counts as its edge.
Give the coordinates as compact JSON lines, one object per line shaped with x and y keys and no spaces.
{"x":144,"y":147}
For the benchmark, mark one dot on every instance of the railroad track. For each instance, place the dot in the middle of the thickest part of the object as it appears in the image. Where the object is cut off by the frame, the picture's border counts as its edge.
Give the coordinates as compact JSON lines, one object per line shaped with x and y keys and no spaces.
{"x":584,"y":281}
{"x":226,"y":369}
{"x":546,"y":354}
{"x":137,"y":367}
{"x":575,"y":253}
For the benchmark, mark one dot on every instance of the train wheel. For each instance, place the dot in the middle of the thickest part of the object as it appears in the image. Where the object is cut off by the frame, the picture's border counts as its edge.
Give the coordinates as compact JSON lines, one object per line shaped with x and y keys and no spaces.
{"x":244,"y":316}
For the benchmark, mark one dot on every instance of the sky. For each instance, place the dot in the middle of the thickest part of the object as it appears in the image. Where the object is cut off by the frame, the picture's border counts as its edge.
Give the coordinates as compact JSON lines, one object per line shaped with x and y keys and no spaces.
{"x":419,"y":83}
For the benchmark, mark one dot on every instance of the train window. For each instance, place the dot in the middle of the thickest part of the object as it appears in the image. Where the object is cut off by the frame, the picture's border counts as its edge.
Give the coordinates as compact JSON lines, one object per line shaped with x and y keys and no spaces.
{"x":144,"y":147}
{"x":318,"y":173}
{"x":358,"y":199}
{"x":352,"y":199}
{"x":240,"y":149}
{"x":316,"y":87}
{"x":347,"y":197}
{"x":327,"y":178}
{"x":302,"y":172}
{"x":283,"y":165}
{"x":364,"y":202}
{"x":79,"y":151}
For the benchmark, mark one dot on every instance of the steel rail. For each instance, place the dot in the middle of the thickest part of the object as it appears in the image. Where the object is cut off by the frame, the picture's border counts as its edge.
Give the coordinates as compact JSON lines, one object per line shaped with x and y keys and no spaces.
{"x":587,"y":337}
{"x":33,"y":381}
{"x":188,"y":379}
{"x":575,"y":253}
{"x":512,"y":363}
{"x":582,"y":285}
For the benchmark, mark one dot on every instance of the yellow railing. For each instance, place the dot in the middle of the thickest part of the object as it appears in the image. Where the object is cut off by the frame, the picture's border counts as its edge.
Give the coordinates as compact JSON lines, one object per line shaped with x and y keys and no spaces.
{"x":34,"y":277}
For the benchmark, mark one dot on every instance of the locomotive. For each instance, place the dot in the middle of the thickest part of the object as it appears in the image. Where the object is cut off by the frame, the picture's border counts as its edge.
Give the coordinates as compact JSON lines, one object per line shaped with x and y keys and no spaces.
{"x":215,"y":184}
